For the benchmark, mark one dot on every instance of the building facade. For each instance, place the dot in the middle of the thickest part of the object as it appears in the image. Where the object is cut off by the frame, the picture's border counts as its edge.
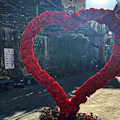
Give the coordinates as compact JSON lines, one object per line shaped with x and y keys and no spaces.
{"x":97,"y":33}
{"x":73,"y":5}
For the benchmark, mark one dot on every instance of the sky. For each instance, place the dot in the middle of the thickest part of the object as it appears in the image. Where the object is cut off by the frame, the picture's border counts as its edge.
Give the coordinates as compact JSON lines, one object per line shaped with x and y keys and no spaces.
{"x":106,"y":4}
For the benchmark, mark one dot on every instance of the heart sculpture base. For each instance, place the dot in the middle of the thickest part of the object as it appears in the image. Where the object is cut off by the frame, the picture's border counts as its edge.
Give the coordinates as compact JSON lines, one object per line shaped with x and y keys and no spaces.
{"x":70,"y":23}
{"x":55,"y":115}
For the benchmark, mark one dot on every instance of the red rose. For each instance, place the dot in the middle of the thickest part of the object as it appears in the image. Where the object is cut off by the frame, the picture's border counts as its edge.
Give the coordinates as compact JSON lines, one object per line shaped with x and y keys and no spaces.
{"x":116,"y":48}
{"x":88,"y":89}
{"x":58,"y":18}
{"x":28,"y":34}
{"x":117,"y":41}
{"x":61,"y":96}
{"x":104,"y":20}
{"x":49,"y":81}
{"x":30,"y":60}
{"x":27,"y":52}
{"x":89,"y":14}
{"x":51,"y":86}
{"x":71,"y":109}
{"x":42,"y":76}
{"x":57,"y":92}
{"x":82,"y":14}
{"x":88,"y":117}
{"x":42,"y":20}
{"x":30,"y":68}
{"x":78,"y":99}
{"x":63,"y":105}
{"x":33,"y":27}
{"x":49,"y":18}
{"x":55,"y":18}
{"x":61,"y":15}
{"x":27,"y":44}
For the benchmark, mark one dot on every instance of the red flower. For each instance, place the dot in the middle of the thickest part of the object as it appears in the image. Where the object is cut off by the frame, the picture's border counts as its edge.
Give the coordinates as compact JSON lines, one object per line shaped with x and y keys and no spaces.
{"x":55,"y":118}
{"x":117,"y":41}
{"x":88,"y":117}
{"x":49,"y":18}
{"x":63,"y":105}
{"x":27,"y":44}
{"x":42,"y":20}
{"x":58,"y":18}
{"x":33,"y":27}
{"x":50,"y":116}
{"x":27,"y":53}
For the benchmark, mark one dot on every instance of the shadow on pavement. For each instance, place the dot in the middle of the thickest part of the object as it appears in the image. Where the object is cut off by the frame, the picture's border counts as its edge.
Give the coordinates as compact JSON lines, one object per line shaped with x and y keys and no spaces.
{"x":25,"y":99}
{"x":113,"y":83}
{"x":35,"y":97}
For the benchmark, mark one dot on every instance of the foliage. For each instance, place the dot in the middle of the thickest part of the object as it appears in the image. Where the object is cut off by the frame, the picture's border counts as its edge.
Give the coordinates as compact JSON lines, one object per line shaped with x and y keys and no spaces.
{"x":4,"y":78}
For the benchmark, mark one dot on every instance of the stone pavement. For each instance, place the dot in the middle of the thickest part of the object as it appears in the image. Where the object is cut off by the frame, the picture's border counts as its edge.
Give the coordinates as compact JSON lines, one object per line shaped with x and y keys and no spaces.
{"x":26,"y":103}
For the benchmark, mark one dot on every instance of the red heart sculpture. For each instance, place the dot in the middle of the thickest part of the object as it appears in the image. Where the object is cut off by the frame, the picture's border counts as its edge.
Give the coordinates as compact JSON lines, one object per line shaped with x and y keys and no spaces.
{"x":70,"y":23}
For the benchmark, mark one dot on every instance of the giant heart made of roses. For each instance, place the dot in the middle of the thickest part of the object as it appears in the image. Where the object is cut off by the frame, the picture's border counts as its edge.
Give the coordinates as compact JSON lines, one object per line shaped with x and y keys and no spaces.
{"x":70,"y":23}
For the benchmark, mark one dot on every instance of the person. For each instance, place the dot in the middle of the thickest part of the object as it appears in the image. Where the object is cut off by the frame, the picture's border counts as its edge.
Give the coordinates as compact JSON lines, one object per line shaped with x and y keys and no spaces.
{"x":99,"y":63}
{"x":94,"y":64}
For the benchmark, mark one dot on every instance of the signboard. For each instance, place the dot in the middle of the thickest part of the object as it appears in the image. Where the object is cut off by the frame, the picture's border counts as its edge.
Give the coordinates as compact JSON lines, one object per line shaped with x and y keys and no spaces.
{"x":9,"y":58}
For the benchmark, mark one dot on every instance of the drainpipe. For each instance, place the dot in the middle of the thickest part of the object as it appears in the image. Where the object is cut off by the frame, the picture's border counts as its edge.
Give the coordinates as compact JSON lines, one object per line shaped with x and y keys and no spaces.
{"x":37,"y":10}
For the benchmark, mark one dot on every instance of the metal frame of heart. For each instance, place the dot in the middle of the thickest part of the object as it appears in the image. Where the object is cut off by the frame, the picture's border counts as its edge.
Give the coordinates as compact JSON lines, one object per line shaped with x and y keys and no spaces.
{"x":70,"y":107}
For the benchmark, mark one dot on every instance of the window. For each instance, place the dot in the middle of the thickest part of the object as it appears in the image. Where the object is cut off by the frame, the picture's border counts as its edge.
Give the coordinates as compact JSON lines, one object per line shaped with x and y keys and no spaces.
{"x":70,"y":0}
{"x":118,"y":11}
{"x":75,"y":0}
{"x":108,"y":41}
